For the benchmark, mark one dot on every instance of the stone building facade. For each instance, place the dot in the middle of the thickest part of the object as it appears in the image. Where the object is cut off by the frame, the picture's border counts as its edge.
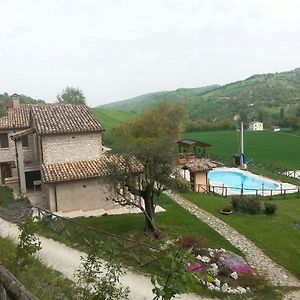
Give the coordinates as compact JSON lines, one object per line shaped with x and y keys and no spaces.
{"x":60,"y":148}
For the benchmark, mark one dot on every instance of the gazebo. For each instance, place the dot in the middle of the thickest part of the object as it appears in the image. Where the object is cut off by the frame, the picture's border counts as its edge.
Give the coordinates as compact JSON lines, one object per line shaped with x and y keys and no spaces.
{"x":198,"y":148}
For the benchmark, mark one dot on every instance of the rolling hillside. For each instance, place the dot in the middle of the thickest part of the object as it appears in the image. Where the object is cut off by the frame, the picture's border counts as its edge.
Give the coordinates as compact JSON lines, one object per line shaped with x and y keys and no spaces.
{"x":111,"y":117}
{"x":139,"y":103}
{"x":255,"y":96}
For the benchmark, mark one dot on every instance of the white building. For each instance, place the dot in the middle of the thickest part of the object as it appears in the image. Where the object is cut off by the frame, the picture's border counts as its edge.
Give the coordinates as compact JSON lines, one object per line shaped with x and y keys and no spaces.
{"x":256,"y":126}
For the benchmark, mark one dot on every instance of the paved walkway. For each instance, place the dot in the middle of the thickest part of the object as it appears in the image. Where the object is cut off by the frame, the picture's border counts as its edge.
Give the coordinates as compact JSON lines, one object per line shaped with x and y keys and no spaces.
{"x":256,"y":258}
{"x":66,"y":260}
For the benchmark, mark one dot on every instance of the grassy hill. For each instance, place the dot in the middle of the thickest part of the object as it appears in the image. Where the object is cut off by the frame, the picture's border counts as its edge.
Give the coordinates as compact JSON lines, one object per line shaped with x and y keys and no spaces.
{"x":258,"y":97}
{"x":111,"y":117}
{"x":139,"y":103}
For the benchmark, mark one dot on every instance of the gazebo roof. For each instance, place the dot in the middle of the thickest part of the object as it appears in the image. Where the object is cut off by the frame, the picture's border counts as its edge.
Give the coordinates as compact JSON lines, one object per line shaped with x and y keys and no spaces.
{"x":192,"y":143}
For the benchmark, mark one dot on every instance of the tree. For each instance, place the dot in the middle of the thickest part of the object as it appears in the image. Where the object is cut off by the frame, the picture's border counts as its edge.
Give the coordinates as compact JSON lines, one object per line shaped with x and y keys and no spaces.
{"x":150,"y":138}
{"x":100,"y":278}
{"x":71,"y":95}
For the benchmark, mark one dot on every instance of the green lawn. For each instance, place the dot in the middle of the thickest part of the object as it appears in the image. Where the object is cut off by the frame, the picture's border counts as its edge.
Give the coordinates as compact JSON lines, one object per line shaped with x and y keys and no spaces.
{"x":279,"y":149}
{"x":275,"y":235}
{"x":174,"y":222}
{"x":111,"y":117}
{"x":40,"y":280}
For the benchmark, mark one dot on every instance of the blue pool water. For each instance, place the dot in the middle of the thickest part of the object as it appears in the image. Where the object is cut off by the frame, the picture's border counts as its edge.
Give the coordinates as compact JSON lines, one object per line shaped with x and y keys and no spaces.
{"x":236,"y":180}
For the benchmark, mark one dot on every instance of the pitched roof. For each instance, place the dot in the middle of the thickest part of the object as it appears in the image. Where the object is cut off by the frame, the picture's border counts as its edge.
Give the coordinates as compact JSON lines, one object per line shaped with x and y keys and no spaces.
{"x":200,"y":165}
{"x":64,"y":118}
{"x":51,"y":119}
{"x":16,"y":118}
{"x":192,"y":143}
{"x":69,"y":171}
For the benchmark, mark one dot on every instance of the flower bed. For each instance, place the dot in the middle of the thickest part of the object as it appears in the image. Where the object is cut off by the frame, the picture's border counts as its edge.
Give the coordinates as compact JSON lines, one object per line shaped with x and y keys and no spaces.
{"x":220,"y":270}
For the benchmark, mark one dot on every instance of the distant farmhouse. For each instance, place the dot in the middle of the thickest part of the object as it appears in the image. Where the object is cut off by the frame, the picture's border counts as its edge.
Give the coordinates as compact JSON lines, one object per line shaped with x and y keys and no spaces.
{"x":56,"y":148}
{"x":256,"y":126}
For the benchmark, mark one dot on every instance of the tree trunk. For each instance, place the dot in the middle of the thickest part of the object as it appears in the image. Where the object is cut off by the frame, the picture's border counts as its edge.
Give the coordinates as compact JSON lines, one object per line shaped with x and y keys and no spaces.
{"x":150,"y":213}
{"x":13,"y":287}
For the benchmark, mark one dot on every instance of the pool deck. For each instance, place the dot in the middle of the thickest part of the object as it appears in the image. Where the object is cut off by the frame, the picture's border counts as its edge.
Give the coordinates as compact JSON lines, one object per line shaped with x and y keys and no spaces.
{"x":221,"y":189}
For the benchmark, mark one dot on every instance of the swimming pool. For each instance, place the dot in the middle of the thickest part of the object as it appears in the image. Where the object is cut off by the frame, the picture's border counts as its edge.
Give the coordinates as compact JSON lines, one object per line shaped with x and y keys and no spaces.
{"x":235,"y":180}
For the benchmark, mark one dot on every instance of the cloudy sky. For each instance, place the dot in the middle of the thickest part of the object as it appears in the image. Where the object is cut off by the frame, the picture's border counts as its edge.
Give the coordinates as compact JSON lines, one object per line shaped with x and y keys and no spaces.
{"x":115,"y":49}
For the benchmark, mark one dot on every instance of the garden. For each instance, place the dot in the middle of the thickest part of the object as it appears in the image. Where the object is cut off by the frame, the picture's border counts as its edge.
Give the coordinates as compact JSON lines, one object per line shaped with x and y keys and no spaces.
{"x":272,"y":224}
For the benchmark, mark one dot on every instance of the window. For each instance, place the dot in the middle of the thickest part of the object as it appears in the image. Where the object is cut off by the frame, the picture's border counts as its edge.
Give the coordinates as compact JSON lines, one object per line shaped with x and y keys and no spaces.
{"x":4,"y":140}
{"x":25,"y":141}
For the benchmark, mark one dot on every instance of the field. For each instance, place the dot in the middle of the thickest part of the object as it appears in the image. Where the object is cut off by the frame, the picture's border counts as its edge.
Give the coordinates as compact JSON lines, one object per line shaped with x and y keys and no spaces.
{"x":278,"y":236}
{"x":280,"y":149}
{"x":111,"y":117}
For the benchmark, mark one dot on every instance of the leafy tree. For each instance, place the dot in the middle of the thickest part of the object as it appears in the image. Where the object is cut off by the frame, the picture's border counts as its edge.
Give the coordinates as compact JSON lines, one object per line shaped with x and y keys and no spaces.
{"x":28,"y":242}
{"x":150,"y":137}
{"x":177,"y":277}
{"x":99,"y":279}
{"x":71,"y":95}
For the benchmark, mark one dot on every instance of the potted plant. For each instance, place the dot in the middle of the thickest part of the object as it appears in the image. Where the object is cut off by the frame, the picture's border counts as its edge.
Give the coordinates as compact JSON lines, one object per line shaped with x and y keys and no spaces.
{"x":226,"y":209}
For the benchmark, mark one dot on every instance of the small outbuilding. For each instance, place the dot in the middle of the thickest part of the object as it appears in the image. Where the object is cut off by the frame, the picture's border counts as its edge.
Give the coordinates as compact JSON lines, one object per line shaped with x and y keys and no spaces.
{"x":199,"y":169}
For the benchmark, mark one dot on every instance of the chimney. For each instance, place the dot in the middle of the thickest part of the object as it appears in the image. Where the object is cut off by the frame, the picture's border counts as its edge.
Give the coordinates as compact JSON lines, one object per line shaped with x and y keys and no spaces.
{"x":16,"y":100}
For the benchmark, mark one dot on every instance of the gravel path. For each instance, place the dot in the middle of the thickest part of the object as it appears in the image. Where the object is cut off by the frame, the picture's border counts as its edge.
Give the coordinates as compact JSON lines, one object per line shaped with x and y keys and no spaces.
{"x":67,"y":260}
{"x":256,"y":258}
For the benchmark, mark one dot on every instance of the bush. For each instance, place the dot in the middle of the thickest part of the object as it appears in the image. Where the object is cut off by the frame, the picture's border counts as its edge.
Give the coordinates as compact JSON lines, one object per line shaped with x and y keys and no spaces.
{"x":253,"y":206}
{"x":270,"y":208}
{"x":247,"y":205}
{"x":188,"y":242}
{"x":238,"y":203}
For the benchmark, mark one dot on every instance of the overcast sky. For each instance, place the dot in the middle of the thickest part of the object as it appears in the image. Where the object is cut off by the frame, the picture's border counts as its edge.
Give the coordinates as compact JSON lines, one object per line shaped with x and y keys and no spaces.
{"x":117,"y":49}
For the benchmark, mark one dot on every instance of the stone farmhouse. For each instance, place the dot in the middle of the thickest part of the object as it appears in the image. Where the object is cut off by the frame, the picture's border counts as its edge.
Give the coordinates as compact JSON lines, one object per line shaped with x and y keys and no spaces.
{"x":58,"y":149}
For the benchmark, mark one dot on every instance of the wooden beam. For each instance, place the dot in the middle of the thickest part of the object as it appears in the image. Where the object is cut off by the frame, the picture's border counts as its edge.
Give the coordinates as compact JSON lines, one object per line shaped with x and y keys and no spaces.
{"x":13,"y":287}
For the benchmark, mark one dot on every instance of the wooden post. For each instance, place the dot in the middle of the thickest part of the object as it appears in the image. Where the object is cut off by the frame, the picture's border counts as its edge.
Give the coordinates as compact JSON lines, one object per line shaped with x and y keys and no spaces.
{"x":223,"y":190}
{"x":271,"y":193}
{"x":213,"y":189}
{"x":226,"y":192}
{"x":284,"y":192}
{"x":242,"y":189}
{"x":256,"y":193}
{"x":262,"y":190}
{"x":298,"y":192}
{"x":280,"y":188}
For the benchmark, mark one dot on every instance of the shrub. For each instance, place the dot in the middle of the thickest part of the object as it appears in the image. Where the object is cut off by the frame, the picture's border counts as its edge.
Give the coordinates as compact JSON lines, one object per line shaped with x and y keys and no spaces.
{"x":270,"y":208}
{"x":237,"y":203}
{"x":252,"y":280}
{"x":188,"y":242}
{"x":247,"y":205}
{"x":253,"y":206}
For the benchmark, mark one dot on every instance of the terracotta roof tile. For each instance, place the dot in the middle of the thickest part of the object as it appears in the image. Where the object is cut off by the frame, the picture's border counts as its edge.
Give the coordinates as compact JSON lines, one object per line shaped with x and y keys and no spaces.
{"x":52,"y":119}
{"x":200,"y":165}
{"x":76,"y":170}
{"x":16,"y":118}
{"x":64,"y":118}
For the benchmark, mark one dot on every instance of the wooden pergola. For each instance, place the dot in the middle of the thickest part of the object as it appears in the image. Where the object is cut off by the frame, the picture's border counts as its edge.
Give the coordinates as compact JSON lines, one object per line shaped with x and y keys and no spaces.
{"x":190,"y":146}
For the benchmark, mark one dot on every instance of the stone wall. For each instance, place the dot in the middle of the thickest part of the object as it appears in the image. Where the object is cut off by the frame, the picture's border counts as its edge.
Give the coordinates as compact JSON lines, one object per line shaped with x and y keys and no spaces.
{"x":78,"y":195}
{"x":71,"y":147}
{"x":8,"y":154}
